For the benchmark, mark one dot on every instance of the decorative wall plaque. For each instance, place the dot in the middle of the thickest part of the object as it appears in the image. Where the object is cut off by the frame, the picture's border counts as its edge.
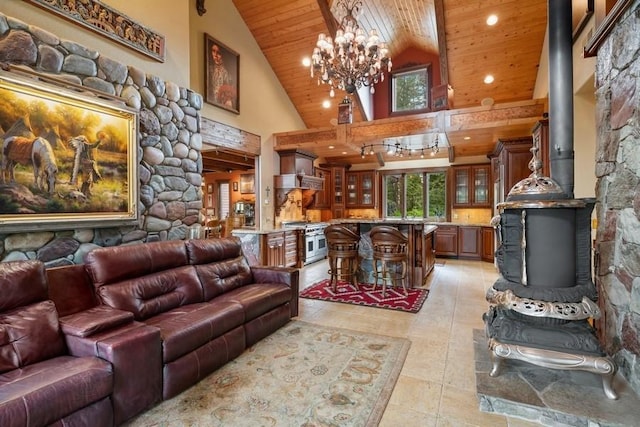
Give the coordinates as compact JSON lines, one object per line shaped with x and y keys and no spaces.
{"x":108,"y":22}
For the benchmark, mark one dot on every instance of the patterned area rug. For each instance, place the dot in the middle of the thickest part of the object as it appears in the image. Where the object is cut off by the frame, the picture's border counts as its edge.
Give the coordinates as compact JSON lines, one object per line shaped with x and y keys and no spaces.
{"x":301,"y":375}
{"x":394,"y":299}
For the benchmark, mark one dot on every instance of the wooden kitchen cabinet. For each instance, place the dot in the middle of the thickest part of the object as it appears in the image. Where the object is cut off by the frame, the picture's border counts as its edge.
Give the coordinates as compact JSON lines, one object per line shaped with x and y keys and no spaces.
{"x":447,"y":240}
{"x":361,"y":189}
{"x":472,"y":186}
{"x":540,"y":135}
{"x":469,"y":242}
{"x":290,"y":248}
{"x":322,"y":198}
{"x":337,"y":188}
{"x":429,"y":253}
{"x":513,"y":156}
{"x":275,"y":249}
{"x":488,"y":244}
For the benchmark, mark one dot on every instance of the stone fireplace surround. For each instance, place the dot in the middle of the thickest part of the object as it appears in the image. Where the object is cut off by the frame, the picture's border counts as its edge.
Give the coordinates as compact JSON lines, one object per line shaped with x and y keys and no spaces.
{"x":169,"y":145}
{"x":617,"y":243}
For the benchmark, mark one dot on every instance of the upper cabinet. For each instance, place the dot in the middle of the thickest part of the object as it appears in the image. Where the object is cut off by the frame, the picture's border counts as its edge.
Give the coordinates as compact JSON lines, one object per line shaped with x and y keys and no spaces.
{"x":511,"y":158}
{"x":472,"y":186}
{"x":361,"y":189}
{"x":337,"y":190}
{"x":322,"y":198}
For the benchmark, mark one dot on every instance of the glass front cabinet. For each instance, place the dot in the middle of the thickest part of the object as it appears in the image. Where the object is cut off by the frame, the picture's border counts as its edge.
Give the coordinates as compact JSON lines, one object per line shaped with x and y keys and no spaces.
{"x":361,"y":189}
{"x":472,"y":186}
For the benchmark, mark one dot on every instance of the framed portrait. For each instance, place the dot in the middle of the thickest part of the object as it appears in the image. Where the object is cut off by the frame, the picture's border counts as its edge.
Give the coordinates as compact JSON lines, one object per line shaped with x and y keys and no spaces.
{"x":69,"y":159}
{"x":247,"y":184}
{"x":344,"y":113}
{"x":235,"y":185}
{"x":222,"y":75}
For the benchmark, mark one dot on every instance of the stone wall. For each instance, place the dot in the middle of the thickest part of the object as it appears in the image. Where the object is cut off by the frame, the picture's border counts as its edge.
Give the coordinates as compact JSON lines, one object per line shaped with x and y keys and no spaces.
{"x":169,"y":145}
{"x":618,"y":192}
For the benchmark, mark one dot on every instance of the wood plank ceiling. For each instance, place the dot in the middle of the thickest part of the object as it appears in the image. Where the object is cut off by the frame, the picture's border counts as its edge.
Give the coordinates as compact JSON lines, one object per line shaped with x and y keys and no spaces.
{"x":287,"y":30}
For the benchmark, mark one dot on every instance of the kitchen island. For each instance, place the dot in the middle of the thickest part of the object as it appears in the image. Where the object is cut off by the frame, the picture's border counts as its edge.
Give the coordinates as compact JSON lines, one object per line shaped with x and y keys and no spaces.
{"x":420,"y":248}
{"x":278,"y":247}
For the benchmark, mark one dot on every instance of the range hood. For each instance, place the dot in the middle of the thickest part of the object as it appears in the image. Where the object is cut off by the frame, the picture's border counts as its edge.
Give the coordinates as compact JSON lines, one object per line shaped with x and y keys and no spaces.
{"x":294,"y":181}
{"x":296,"y":167}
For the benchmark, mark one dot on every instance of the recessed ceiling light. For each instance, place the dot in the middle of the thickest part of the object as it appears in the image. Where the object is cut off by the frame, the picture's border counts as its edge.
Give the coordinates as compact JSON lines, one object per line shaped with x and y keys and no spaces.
{"x":466,"y":138}
{"x":492,"y":20}
{"x":326,"y":104}
{"x":332,"y":147}
{"x":488,"y":79}
{"x":344,"y":152}
{"x":306,"y":61}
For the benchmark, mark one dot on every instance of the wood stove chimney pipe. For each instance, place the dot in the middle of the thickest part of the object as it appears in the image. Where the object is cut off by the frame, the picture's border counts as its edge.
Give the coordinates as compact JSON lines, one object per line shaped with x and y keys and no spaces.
{"x":561,"y":153}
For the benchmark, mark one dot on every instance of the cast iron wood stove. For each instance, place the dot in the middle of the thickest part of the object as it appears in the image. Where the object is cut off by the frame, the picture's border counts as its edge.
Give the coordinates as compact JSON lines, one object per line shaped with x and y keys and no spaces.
{"x":543,"y":300}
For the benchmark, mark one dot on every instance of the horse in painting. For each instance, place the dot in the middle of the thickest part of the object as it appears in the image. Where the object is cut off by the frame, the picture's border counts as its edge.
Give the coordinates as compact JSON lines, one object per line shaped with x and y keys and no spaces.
{"x":24,"y":151}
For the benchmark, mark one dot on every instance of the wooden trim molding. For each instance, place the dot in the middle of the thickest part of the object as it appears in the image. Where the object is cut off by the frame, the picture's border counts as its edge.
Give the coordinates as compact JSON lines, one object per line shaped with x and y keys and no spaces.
{"x":603,"y":31}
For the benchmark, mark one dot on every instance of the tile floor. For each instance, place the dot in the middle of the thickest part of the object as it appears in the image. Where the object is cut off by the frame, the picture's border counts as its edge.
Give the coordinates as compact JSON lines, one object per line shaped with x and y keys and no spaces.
{"x":437,"y":384}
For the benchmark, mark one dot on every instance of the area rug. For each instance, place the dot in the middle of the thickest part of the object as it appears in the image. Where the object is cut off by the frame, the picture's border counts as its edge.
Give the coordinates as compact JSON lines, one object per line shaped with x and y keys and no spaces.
{"x":368,"y":295}
{"x":301,"y":375}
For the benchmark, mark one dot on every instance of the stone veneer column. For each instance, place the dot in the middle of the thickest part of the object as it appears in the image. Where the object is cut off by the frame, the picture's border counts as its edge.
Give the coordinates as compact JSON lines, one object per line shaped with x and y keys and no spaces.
{"x":169,"y":145}
{"x":618,"y":193}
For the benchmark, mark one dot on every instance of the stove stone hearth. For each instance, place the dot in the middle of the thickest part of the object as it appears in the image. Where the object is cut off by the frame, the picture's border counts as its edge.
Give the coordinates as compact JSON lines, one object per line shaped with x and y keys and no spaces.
{"x":550,"y":397}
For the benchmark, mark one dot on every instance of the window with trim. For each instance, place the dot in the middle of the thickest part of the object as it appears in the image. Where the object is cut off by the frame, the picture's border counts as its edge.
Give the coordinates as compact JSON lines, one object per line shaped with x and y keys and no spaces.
{"x":410,"y":89}
{"x":420,"y":194}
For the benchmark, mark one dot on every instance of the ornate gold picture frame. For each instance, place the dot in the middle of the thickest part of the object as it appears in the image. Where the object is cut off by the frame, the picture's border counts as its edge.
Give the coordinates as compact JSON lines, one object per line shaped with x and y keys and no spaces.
{"x":69,"y":160}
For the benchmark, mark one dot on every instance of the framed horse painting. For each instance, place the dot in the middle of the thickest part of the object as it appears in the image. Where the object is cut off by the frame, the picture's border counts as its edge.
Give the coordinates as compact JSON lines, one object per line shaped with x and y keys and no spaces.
{"x":68,"y":159}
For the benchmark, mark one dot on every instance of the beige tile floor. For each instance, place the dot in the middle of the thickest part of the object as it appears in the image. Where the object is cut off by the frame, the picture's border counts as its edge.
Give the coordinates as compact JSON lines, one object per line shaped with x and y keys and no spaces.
{"x":437,"y":385}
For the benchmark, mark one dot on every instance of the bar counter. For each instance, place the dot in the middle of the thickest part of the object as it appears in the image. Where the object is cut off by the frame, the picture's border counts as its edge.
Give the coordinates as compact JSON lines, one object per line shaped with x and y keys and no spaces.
{"x":420,"y":248}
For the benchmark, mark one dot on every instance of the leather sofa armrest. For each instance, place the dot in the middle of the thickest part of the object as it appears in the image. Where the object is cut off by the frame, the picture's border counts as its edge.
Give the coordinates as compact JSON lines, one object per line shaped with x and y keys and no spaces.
{"x":286,"y":275}
{"x":97,"y":319}
{"x":135,"y":352}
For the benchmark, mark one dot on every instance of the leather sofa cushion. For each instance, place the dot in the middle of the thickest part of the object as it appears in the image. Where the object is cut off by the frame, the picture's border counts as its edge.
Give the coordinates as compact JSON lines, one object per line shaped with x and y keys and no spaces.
{"x":205,"y":251}
{"x":42,"y":393}
{"x":70,"y":288}
{"x":223,"y":276}
{"x":118,"y":263}
{"x":257,"y":299}
{"x":149,"y":295}
{"x":22,"y":283}
{"x":188,"y":328}
{"x":28,"y":335}
{"x":97,"y":319}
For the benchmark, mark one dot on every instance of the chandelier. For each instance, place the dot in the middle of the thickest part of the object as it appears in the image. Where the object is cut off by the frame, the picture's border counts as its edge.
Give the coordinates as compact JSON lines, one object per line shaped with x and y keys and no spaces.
{"x":350,"y":60}
{"x":404,"y":147}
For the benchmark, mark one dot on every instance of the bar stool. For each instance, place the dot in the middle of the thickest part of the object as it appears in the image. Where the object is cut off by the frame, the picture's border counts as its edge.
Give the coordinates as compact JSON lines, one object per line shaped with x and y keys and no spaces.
{"x":342,"y":245}
{"x":213,"y":229}
{"x":389,"y":257}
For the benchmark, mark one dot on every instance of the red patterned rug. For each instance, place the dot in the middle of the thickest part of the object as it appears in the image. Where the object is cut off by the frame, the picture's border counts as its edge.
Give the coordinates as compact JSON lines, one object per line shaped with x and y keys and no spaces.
{"x":394,"y":299}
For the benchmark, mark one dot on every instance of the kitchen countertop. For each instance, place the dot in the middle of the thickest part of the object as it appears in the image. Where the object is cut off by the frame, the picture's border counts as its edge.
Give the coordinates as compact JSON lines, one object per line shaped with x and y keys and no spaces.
{"x":402,"y":221}
{"x":357,"y":221}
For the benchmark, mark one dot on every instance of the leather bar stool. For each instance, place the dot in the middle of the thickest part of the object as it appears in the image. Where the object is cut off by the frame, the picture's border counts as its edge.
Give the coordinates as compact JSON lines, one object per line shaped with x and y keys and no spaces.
{"x":390,"y":257}
{"x":342,"y":245}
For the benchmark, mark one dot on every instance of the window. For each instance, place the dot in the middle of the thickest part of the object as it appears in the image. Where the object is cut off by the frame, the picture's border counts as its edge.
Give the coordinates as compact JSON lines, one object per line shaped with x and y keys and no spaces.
{"x":415,"y":195}
{"x":224,"y":199}
{"x":410,"y":90}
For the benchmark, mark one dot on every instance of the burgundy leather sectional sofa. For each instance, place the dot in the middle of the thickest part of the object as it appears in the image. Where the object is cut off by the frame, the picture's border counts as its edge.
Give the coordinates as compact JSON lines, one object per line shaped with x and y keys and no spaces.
{"x":98,"y":343}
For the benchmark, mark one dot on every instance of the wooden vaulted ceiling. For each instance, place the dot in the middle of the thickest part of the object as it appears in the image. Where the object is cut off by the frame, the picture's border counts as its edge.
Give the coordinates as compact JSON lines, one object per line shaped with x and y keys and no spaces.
{"x":287,"y":30}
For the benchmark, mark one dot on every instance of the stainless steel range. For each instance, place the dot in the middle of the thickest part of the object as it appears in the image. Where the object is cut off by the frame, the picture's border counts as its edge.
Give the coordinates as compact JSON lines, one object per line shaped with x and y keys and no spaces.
{"x":315,"y":243}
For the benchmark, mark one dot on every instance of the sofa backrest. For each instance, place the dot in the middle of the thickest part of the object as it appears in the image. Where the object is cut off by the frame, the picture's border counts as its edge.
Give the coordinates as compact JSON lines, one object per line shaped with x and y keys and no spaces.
{"x":146,"y":279}
{"x":70,"y":288}
{"x":29,"y":328}
{"x":220,"y":264}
